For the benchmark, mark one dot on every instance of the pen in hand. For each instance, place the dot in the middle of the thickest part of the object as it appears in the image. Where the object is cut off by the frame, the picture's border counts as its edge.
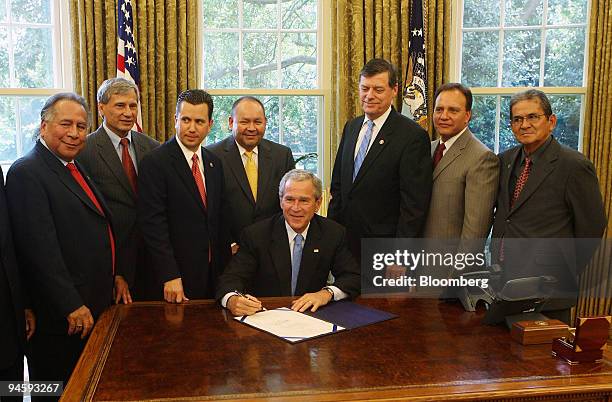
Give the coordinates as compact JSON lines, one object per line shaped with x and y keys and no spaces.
{"x":249,"y":297}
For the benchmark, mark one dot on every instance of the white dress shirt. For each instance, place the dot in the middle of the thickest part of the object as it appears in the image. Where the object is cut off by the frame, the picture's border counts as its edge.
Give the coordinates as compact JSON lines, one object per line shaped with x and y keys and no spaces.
{"x":378,"y":123}
{"x":189,"y":154}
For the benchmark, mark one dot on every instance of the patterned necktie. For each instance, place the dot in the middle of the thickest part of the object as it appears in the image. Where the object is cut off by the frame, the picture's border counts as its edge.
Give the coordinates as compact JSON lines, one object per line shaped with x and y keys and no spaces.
{"x":438,"y":153}
{"x":128,"y":163}
{"x":197,"y":176}
{"x":81,"y":181}
{"x":363,"y":148}
{"x":251,"y":172}
{"x":295,"y":261}
{"x":521,"y":181}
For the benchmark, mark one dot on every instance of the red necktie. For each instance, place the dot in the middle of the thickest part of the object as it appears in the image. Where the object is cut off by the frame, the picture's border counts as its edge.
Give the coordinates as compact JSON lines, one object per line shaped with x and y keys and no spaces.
{"x":128,"y":163}
{"x":197,"y":176}
{"x":438,"y":153}
{"x":521,"y":181}
{"x":79,"y":179}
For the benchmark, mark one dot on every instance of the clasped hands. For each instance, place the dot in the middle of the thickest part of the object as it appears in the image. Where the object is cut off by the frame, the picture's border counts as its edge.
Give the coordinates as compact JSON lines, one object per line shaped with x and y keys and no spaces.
{"x":249,"y":305}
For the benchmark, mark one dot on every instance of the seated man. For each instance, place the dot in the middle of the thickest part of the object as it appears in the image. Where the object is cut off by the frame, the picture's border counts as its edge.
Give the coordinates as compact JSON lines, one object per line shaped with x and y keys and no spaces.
{"x":291,"y":254}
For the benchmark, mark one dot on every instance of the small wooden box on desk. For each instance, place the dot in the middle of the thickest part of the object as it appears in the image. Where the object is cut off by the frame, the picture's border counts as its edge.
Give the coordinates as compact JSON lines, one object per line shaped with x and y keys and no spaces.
{"x":538,"y":332}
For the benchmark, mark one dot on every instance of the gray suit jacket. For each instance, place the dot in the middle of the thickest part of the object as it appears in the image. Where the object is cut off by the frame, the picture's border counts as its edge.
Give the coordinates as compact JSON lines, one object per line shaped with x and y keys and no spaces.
{"x":241,"y":210}
{"x":101,"y":161}
{"x":465,"y":185}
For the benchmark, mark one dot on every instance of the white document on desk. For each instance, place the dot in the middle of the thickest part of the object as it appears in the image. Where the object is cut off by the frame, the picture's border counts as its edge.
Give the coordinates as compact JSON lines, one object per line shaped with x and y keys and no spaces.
{"x":289,"y":325}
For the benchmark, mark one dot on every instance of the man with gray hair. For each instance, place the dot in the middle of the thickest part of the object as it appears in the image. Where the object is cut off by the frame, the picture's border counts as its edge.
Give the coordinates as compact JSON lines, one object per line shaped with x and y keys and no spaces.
{"x":63,"y":239}
{"x":291,"y":254}
{"x":111,"y":156}
{"x":546,"y":191}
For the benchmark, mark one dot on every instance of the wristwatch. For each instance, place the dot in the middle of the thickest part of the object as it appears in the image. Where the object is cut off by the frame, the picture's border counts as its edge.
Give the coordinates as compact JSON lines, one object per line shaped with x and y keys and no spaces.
{"x":330,"y":291}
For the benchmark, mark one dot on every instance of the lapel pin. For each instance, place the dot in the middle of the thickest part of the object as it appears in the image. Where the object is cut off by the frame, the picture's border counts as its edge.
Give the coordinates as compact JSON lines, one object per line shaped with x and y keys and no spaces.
{"x":316,"y":250}
{"x":381,"y":142}
{"x":211,"y":164}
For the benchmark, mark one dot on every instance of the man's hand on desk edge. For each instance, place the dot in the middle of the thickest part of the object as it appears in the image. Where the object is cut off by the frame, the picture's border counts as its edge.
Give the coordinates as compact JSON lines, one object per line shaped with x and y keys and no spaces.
{"x":80,"y":320}
{"x":239,"y":305}
{"x":122,"y":291}
{"x":173,"y":291}
{"x":314,"y":300}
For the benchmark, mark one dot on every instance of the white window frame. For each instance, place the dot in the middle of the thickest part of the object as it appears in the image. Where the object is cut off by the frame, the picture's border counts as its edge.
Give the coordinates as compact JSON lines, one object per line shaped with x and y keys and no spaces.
{"x":62,"y":58}
{"x":323,"y":76}
{"x":456,"y":44}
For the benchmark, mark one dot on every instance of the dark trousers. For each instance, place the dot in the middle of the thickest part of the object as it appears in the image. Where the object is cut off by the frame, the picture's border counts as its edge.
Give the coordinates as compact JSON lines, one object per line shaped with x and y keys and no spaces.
{"x":14,"y":373}
{"x":52,"y":358}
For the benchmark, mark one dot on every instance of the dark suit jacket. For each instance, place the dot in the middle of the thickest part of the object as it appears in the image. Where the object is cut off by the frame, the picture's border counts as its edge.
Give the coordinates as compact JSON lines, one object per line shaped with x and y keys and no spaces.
{"x":12,"y":335}
{"x":262,"y":266}
{"x":561,"y":199}
{"x":176,"y":227}
{"x":100,"y":159}
{"x":390,"y":195}
{"x":61,"y":239}
{"x":273,"y":161}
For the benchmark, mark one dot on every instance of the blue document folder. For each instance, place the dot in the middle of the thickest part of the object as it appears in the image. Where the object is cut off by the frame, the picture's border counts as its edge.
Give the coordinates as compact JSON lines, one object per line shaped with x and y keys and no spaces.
{"x":350,"y":315}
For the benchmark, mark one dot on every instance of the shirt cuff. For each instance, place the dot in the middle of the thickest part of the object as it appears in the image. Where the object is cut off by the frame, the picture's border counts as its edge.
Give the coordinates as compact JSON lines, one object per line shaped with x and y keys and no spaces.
{"x":338,"y":294}
{"x":226,"y":298}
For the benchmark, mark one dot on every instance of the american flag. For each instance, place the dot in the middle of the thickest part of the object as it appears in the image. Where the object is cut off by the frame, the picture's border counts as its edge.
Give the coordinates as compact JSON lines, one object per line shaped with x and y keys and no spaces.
{"x":415,"y":91}
{"x":127,"y":61}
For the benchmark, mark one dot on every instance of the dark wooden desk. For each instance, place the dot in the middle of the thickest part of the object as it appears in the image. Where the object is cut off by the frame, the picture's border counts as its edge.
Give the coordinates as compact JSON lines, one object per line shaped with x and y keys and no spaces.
{"x":434,"y":352}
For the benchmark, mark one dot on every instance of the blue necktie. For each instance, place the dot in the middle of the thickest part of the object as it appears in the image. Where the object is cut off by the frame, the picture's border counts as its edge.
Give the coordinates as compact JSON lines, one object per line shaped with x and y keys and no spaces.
{"x":363,"y":149}
{"x":295,"y":261}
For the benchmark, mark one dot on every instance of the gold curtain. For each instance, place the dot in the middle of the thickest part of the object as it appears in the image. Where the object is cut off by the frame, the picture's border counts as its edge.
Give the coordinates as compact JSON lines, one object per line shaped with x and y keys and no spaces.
{"x":165,"y":34}
{"x":596,"y":286}
{"x":364,"y":29}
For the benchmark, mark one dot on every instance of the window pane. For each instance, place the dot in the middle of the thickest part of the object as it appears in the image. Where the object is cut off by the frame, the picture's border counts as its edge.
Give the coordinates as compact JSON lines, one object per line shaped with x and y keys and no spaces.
{"x":8,"y":129}
{"x":2,"y":11}
{"x":260,"y":15}
{"x":299,"y":63}
{"x":272,"y":105}
{"x":506,"y":138}
{"x":33,"y":57}
{"x":300,"y":127}
{"x":221,"y":58}
{"x":4,"y":58}
{"x":480,"y":13}
{"x":299,"y":14}
{"x":567,"y":110}
{"x":564,"y":57}
{"x":479,"y":59}
{"x":567,"y":12}
{"x":36,"y":11}
{"x":523,"y":12}
{"x":260,"y":64}
{"x":220,"y":13}
{"x":521,"y":58}
{"x":14,"y":142}
{"x":29,"y":114}
{"x":300,"y":124}
{"x":483,"y":119}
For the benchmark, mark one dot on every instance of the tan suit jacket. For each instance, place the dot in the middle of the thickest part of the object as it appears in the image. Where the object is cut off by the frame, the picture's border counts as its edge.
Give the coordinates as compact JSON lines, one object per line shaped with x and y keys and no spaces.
{"x":464,"y":191}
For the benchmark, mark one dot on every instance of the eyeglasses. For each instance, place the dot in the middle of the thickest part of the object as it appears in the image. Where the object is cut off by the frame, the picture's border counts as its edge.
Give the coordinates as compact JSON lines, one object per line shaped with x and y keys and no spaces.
{"x":531,"y":119}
